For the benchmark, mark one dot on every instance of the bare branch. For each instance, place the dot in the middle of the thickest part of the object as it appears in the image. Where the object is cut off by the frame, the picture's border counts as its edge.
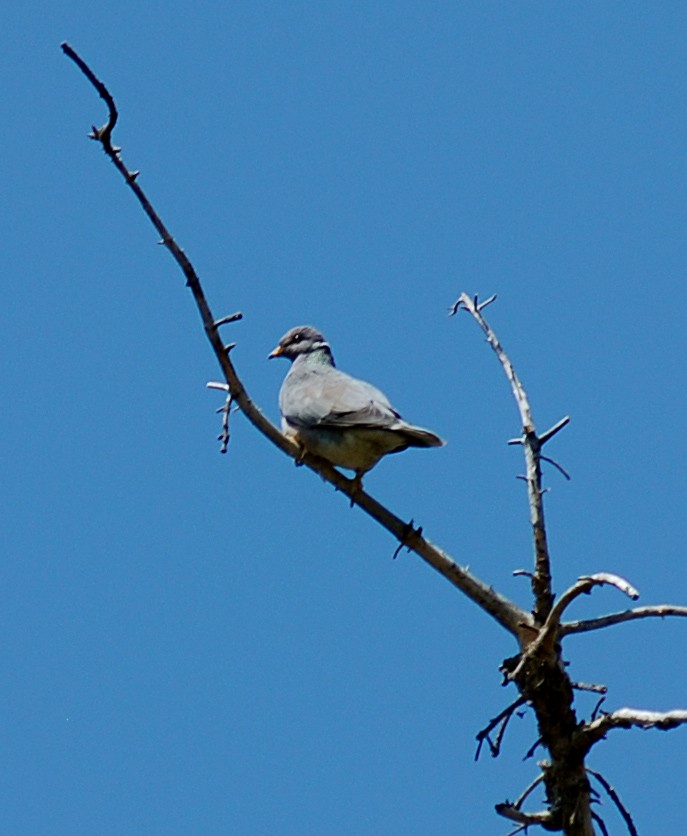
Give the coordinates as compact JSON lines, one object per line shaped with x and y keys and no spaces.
{"x":549,"y":434}
{"x":505,"y":612}
{"x":235,"y":317}
{"x":533,"y":748}
{"x":613,"y":795}
{"x":568,"y":628}
{"x":626,"y":718}
{"x":527,"y":791}
{"x":597,"y":707}
{"x":541,"y":580}
{"x":474,"y":308}
{"x":501,"y":720}
{"x":101,"y":134}
{"x":589,"y":686}
{"x":225,"y":411}
{"x":583,"y":586}
{"x":543,"y":818}
{"x":602,"y":825}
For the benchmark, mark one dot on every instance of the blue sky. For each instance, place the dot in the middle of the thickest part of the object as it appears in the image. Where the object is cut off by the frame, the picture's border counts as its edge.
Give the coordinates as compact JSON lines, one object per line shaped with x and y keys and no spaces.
{"x":218,"y":644}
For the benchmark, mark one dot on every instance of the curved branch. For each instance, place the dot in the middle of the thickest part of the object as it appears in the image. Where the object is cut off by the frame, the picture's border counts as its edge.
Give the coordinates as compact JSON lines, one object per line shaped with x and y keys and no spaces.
{"x":502,"y":610}
{"x":550,"y":632}
{"x":583,"y":586}
{"x":615,"y":798}
{"x":569,"y":628}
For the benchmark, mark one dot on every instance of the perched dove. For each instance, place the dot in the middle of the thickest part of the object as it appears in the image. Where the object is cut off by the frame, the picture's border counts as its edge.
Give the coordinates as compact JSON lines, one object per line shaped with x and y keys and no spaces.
{"x":335,"y":416}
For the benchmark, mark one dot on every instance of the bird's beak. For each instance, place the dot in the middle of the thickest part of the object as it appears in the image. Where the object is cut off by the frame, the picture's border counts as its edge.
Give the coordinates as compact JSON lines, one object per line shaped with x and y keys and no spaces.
{"x":277,"y":352}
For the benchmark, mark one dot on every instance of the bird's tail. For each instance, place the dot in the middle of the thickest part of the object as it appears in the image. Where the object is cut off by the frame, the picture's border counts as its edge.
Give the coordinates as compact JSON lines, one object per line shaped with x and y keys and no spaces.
{"x":419,"y":437}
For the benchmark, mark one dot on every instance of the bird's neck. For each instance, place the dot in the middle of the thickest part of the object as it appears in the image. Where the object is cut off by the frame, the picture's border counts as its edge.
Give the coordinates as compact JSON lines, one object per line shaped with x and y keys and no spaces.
{"x":319,"y":357}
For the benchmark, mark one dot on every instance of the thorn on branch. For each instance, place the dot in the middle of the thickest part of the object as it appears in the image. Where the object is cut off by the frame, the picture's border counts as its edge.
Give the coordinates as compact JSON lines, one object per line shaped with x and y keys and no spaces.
{"x":533,"y":748}
{"x":403,"y":540}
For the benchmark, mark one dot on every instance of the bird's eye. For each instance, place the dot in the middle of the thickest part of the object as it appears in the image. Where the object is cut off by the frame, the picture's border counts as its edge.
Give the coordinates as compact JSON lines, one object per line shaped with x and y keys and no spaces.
{"x":297,"y":337}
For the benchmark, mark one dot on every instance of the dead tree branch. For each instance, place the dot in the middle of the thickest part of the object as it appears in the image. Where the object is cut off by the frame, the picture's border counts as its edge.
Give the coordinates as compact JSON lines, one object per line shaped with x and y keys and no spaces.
{"x":501,"y":721}
{"x":569,"y":628}
{"x":550,"y":632}
{"x":512,"y":813}
{"x":627,"y":718}
{"x":532,"y":444}
{"x":504,"y":611}
{"x":613,"y":795}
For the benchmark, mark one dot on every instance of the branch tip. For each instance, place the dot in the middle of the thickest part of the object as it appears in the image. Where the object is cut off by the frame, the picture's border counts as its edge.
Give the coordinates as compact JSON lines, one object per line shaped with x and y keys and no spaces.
{"x":549,"y":434}
{"x":225,"y":320}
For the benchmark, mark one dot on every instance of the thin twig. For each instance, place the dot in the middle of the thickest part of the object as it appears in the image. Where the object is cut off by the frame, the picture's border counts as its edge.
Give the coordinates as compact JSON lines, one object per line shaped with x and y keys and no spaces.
{"x":589,"y":686}
{"x":533,"y":748}
{"x":602,"y":825}
{"x":505,"y":612}
{"x":225,"y":411}
{"x":558,"y":467}
{"x":527,"y":791}
{"x":101,"y":134}
{"x":510,"y":812}
{"x":501,"y":720}
{"x":613,"y":795}
{"x":235,"y":317}
{"x":597,"y":707}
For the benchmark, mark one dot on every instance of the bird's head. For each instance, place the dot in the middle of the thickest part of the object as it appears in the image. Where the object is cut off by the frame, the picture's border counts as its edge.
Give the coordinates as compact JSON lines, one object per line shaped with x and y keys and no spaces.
{"x":299,"y":341}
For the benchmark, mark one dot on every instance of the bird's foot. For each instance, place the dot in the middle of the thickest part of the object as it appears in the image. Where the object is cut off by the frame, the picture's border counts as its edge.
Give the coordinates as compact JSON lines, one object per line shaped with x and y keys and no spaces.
{"x":300,"y":456}
{"x":356,"y":486}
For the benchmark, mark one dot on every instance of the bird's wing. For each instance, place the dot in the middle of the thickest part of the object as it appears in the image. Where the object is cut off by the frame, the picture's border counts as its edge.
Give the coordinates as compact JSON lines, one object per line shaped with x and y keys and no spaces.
{"x":331,"y":398}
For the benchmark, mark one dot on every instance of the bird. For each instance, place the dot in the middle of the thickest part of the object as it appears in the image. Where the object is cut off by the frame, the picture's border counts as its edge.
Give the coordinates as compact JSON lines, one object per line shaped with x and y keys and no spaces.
{"x":330,"y":414}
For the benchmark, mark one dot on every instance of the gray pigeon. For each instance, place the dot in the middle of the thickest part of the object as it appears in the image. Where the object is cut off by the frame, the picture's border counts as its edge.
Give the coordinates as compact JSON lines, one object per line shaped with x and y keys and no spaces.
{"x":346,"y":421}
